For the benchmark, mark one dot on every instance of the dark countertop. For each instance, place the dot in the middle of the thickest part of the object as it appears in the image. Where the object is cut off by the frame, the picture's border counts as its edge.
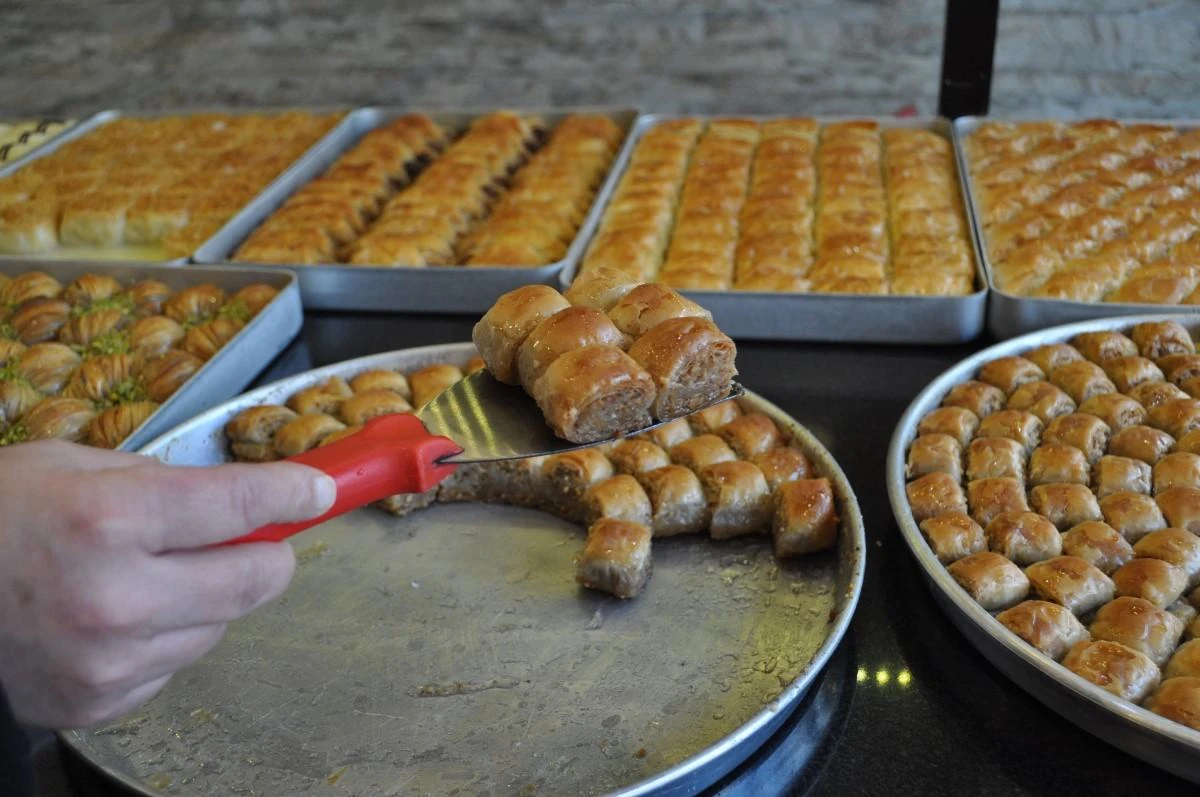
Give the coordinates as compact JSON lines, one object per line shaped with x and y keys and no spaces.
{"x":907,"y":706}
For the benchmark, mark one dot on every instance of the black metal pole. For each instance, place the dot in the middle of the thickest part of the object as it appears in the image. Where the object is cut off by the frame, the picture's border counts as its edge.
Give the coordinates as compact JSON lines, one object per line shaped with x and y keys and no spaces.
{"x":968,"y":52}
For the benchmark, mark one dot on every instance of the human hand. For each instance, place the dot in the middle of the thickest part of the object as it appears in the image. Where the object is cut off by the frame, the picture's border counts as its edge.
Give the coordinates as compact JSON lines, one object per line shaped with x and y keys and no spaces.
{"x":107,"y":581}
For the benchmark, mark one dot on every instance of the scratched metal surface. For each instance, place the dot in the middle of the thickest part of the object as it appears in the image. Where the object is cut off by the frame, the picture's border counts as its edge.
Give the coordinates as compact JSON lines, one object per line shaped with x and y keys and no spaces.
{"x":451,"y":652}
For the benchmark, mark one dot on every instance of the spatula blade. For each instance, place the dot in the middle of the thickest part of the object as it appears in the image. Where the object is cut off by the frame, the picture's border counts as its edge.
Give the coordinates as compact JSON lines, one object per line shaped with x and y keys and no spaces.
{"x":493,"y":421}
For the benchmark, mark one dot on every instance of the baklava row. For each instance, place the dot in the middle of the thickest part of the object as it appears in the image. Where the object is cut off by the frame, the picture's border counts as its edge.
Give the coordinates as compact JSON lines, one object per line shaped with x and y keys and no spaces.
{"x":323,"y":218}
{"x":171,"y":181}
{"x":607,"y":364}
{"x":90,"y":361}
{"x":1090,"y":211}
{"x":722,"y":470}
{"x":535,"y":220}
{"x":1061,"y":489}
{"x":788,"y":205}
{"x":480,"y":200}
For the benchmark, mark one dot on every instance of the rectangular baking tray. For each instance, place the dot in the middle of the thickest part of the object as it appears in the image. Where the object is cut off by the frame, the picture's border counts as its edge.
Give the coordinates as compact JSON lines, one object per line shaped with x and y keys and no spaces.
{"x":839,"y":318}
{"x":404,"y":289}
{"x":232,"y":368}
{"x":1011,"y":315}
{"x":82,"y":128}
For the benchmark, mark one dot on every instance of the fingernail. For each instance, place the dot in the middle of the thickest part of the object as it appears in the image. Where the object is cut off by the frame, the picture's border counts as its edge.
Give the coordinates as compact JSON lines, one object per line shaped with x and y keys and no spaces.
{"x":325,"y":492}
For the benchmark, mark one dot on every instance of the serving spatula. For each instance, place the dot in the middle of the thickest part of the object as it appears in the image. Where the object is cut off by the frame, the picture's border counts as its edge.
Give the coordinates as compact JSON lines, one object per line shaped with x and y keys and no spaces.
{"x":477,"y":419}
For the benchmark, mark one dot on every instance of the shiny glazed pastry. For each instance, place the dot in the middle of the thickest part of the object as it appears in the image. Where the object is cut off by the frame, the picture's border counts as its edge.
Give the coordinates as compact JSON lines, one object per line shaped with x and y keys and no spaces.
{"x":1114,"y":483}
{"x":630,"y":481}
{"x":616,"y":558}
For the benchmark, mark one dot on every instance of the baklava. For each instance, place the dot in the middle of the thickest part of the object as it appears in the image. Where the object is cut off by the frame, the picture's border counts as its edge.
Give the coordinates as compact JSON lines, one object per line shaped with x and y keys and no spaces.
{"x":786,"y":205}
{"x":1102,"y":513}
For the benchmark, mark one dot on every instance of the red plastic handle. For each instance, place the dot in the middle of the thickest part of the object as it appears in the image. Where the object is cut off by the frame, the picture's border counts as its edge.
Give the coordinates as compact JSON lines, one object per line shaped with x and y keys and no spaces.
{"x":392,"y":454}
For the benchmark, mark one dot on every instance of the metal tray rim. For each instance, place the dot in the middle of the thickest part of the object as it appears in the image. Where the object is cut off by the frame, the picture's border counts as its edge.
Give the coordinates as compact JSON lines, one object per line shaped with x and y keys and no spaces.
{"x":962,"y":127}
{"x":951,"y":594}
{"x":763,"y":721}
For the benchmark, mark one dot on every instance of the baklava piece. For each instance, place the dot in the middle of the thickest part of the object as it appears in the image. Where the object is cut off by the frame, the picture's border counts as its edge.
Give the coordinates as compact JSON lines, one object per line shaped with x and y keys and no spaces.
{"x":989,"y":498}
{"x":1056,"y":463}
{"x":991,"y":580}
{"x":1112,"y":475}
{"x":1178,"y":699}
{"x":939,"y":453}
{"x":1132,"y":515}
{"x":1070,"y":582}
{"x":1043,"y":399}
{"x":989,"y":457}
{"x":739,"y":500}
{"x":980,"y":398}
{"x":1181,"y":507}
{"x":1123,"y":671}
{"x":1185,"y":661}
{"x":1158,"y":582}
{"x":1023,"y":427}
{"x":616,"y":558}
{"x":1174,"y":546}
{"x":1098,"y":544}
{"x":956,"y":422}
{"x":1047,"y":626}
{"x":1140,"y":625}
{"x":620,"y":498}
{"x":1156,"y":339}
{"x":1086,"y":432}
{"x":1010,"y":373}
{"x":1065,"y":505}
{"x":1177,"y":470}
{"x":1024,"y":537}
{"x":782,"y":465}
{"x":1143,"y":443}
{"x":676,"y":499}
{"x":953,"y":536}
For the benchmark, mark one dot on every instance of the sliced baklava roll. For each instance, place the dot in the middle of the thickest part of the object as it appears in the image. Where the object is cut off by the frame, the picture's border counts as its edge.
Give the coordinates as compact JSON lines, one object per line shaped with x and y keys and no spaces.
{"x":805,"y":518}
{"x":616,"y":558}
{"x":677,"y":500}
{"x":1178,"y":699}
{"x":1174,"y":546}
{"x":566,"y":478}
{"x":499,"y":334}
{"x":619,"y":497}
{"x":594,"y":393}
{"x":956,"y":422}
{"x":690,"y":361}
{"x":739,"y":500}
{"x":59,"y":418}
{"x":701,"y":451}
{"x":1024,"y":537}
{"x":569,"y":329}
{"x":1143,"y":443}
{"x":251,"y":433}
{"x":937,"y":494}
{"x":940,"y":453}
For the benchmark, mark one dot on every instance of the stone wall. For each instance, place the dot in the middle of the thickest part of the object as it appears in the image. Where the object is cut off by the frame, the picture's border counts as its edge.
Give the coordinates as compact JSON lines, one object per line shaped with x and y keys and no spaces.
{"x":1125,"y":57}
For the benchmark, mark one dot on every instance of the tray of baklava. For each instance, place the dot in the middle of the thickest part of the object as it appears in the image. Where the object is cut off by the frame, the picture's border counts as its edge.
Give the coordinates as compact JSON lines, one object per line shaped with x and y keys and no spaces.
{"x":20,"y":136}
{"x":147,"y":188}
{"x":722,"y":565}
{"x":1049,"y":487}
{"x":1083,"y":219}
{"x":113,"y":355}
{"x":432,"y":212}
{"x":797,"y":228}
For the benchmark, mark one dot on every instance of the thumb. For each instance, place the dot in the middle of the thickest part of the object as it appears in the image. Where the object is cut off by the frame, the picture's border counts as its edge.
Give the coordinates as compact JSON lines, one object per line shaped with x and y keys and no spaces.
{"x":187,"y":507}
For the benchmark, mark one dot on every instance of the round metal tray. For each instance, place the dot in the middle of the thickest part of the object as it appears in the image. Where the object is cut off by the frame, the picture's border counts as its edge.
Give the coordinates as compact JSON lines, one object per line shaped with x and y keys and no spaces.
{"x":451,"y":650}
{"x":1138,"y":731}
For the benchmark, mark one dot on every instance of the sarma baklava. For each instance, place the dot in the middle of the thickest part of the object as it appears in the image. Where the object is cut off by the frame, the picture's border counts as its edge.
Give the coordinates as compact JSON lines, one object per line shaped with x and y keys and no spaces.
{"x":502,"y":193}
{"x":1103,"y":513}
{"x":786,"y":206}
{"x":593,"y":381}
{"x":738,"y":473}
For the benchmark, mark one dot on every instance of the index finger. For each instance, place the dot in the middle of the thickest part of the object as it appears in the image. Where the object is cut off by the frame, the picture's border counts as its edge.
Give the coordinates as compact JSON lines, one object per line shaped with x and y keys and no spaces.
{"x":179,"y":508}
